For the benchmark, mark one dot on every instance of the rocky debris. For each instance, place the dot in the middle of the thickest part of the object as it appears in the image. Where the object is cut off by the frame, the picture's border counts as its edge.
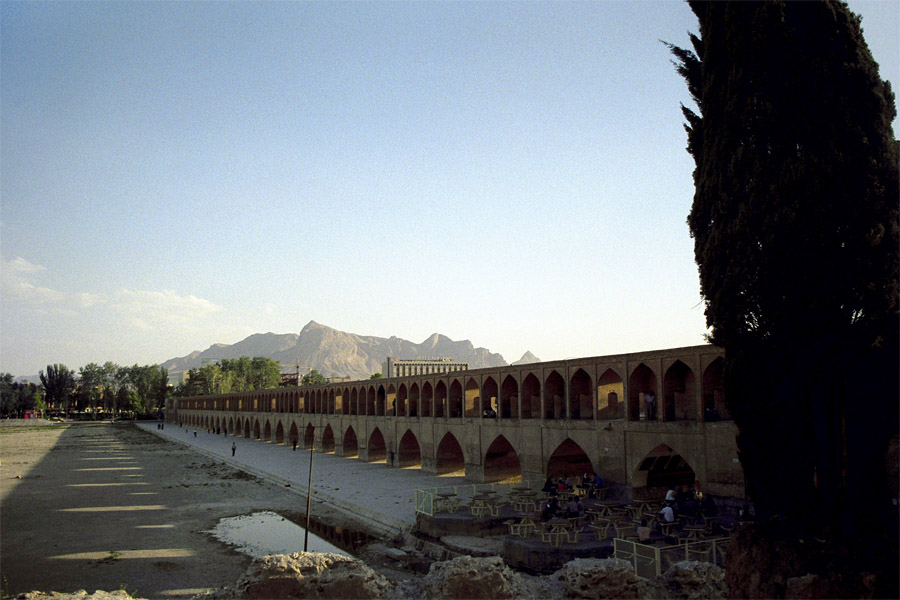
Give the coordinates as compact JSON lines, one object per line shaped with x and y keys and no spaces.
{"x":602,"y":578}
{"x":79,"y":595}
{"x":311,"y":575}
{"x":695,"y":580}
{"x":469,"y":577}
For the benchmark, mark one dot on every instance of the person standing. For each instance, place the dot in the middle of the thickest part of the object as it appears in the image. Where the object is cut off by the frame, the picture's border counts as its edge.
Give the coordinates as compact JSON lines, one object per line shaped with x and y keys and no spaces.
{"x":650,"y":400}
{"x":233,"y":447}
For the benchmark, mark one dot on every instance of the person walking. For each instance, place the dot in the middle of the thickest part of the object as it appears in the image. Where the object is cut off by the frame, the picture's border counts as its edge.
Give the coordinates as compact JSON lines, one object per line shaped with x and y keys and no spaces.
{"x":233,"y":447}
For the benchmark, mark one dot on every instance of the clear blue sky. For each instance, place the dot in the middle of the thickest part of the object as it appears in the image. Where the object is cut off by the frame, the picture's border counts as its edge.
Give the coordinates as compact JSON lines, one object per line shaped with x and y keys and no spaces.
{"x":180,"y":174}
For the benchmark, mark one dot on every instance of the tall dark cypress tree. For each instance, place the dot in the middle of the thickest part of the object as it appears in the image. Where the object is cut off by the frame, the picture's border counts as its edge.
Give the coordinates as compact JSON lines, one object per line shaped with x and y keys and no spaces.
{"x":795,"y":225}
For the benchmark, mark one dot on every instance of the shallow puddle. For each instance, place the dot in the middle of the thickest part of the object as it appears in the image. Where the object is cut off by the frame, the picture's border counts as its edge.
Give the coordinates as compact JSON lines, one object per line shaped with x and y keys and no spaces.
{"x":267,"y":532}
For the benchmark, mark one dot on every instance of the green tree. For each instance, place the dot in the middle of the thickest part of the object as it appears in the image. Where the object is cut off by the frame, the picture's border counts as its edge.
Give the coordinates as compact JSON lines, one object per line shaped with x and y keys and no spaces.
{"x":313,"y":378}
{"x":7,"y":394}
{"x":375,"y":376}
{"x":795,"y":227}
{"x":91,"y":385}
{"x":59,"y":385}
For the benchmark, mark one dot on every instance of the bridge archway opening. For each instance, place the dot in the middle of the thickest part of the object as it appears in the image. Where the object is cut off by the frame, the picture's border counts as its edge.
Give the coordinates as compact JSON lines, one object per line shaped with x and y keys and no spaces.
{"x":345,"y":401}
{"x":531,"y":397}
{"x":490,"y":396}
{"x":509,"y":398}
{"x":279,"y":433}
{"x":450,"y":458}
{"x":370,"y":402}
{"x":309,"y":437}
{"x":231,"y":427}
{"x":328,"y":440}
{"x":414,"y":400}
{"x":456,"y":399}
{"x":351,"y":445}
{"x":391,"y":402}
{"x":427,"y":399}
{"x":501,"y":462}
{"x":354,"y":406}
{"x":663,"y":467}
{"x":581,"y":405}
{"x":256,"y":435}
{"x":440,"y":399}
{"x":402,"y":394}
{"x":473,"y":399}
{"x":641,"y":382}
{"x":267,"y":432}
{"x":377,"y":447}
{"x":610,"y":396}
{"x":380,"y":401}
{"x":679,"y":393}
{"x":554,"y":396}
{"x":714,"y":407}
{"x":294,"y":434}
{"x":569,"y":460}
{"x":408,"y":452}
{"x":247,"y":429}
{"x":332,"y":402}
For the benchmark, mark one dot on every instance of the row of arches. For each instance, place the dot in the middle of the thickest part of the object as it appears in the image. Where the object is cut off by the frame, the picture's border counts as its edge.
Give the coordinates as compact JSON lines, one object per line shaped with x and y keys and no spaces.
{"x":662,"y":466}
{"x":680,"y":393}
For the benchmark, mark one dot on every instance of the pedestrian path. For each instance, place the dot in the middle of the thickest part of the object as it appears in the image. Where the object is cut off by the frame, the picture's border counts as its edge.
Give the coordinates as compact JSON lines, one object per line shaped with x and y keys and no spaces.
{"x":372,"y":492}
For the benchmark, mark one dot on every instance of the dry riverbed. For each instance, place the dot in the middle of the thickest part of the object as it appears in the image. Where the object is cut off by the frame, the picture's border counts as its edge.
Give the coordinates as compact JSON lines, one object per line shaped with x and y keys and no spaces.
{"x":107,"y":506}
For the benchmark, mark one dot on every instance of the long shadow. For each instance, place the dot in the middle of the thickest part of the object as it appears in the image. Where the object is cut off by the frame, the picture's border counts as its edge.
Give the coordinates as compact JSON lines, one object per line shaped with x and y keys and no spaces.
{"x":109,"y":506}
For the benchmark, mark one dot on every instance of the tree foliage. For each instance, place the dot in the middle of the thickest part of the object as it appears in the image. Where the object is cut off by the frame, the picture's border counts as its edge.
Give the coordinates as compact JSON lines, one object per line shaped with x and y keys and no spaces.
{"x":313,"y":378}
{"x":795,"y":227}
{"x":232,"y":375}
{"x":17,"y":397}
{"x":59,"y":385}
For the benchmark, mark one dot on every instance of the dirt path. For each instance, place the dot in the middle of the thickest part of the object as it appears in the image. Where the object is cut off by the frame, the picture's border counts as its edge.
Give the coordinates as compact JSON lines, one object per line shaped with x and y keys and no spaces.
{"x":108,"y":506}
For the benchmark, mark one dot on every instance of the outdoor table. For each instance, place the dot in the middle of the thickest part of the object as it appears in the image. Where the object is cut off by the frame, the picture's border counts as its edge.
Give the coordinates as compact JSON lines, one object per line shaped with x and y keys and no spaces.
{"x":595,"y":514}
{"x":478,"y":510}
{"x":600,"y":492}
{"x":693,"y":531}
{"x":557,"y":525}
{"x":709,"y":521}
{"x":666,"y":527}
{"x":634,"y":511}
{"x":443,"y":502}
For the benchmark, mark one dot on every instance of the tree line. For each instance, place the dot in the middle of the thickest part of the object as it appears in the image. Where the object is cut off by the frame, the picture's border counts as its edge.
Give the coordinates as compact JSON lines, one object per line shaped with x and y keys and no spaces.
{"x":111,"y":390}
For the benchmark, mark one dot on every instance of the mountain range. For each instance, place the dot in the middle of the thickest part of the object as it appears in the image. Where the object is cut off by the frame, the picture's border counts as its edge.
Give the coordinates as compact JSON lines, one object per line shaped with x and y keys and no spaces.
{"x":337,"y":353}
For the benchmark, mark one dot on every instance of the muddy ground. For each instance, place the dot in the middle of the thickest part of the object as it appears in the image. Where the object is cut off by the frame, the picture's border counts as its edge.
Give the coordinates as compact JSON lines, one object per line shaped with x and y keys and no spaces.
{"x":107,"y":506}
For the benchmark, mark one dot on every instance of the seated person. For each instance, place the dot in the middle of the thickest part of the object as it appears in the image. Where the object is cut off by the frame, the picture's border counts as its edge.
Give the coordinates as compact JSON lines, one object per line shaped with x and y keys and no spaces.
{"x":550,"y":509}
{"x":574,"y":508}
{"x":668,"y":513}
{"x":643,"y":532}
{"x":670,"y":496}
{"x":549,"y":486}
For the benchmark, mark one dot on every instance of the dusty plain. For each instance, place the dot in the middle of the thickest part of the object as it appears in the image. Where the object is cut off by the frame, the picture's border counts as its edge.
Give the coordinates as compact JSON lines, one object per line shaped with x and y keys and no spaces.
{"x":109,"y":506}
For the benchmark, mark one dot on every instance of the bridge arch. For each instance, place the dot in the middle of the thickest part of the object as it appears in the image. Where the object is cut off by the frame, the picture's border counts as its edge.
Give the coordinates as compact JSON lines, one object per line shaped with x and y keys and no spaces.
{"x":679,"y":393}
{"x":267,"y":431}
{"x":309,"y":437}
{"x":610,"y":396}
{"x":581,"y":396}
{"x":440,"y":399}
{"x":247,"y":428}
{"x":354,"y":406}
{"x":427,"y":399}
{"x":351,"y":445}
{"x":501,"y":462}
{"x":345,"y":401}
{"x":414,"y":400}
{"x":641,"y":382}
{"x":377,"y":447}
{"x":256,"y":434}
{"x":402,"y":394}
{"x":328,"y":440}
{"x":509,"y":398}
{"x":294,"y":434}
{"x":455,"y":400}
{"x":531,"y":397}
{"x":569,"y":459}
{"x":714,"y":407}
{"x":408,"y":452}
{"x":380,"y":402}
{"x":279,"y":433}
{"x":370,"y":401}
{"x":554,"y":396}
{"x":450,"y":457}
{"x":490,"y":396}
{"x":663,"y":467}
{"x":473,"y":397}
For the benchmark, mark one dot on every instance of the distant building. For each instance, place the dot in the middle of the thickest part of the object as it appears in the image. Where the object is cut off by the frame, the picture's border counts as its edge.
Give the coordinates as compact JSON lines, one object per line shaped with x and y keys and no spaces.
{"x":394,"y":367}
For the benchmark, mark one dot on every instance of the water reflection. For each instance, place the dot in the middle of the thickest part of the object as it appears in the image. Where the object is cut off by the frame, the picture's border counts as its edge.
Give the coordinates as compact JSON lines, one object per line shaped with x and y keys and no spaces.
{"x":267,"y":532}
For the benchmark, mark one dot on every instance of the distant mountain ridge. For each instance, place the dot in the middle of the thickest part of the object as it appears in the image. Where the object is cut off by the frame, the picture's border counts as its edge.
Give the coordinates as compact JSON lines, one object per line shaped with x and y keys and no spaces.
{"x":337,"y":353}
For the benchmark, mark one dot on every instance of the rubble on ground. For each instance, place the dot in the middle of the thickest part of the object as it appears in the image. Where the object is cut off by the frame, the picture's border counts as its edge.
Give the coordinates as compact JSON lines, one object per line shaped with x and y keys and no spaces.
{"x":602,"y":578}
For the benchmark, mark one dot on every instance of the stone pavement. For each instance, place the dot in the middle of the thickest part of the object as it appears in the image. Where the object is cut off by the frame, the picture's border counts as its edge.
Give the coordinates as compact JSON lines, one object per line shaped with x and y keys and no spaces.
{"x":372,"y":493}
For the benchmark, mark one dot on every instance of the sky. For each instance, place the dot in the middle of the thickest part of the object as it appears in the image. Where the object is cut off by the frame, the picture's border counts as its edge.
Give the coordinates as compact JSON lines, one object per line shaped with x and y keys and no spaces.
{"x":179,"y":174}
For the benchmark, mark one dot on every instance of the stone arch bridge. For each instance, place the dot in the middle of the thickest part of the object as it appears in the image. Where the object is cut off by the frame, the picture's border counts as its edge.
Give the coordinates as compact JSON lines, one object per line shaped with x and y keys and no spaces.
{"x":530,"y":421}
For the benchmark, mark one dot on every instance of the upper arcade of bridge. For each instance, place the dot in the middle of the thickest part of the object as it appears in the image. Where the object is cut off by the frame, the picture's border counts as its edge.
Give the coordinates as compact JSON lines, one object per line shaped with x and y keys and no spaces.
{"x":683,"y":383}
